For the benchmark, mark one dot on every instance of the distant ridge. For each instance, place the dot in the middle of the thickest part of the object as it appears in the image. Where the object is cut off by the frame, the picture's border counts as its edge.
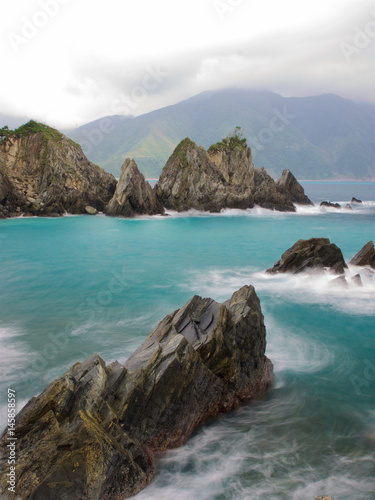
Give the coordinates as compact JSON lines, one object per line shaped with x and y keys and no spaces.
{"x":318,"y":137}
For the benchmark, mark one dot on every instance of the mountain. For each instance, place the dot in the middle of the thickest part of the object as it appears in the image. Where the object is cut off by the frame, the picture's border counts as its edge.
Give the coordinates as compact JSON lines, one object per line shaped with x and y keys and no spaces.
{"x":42,"y":172}
{"x":319,"y":137}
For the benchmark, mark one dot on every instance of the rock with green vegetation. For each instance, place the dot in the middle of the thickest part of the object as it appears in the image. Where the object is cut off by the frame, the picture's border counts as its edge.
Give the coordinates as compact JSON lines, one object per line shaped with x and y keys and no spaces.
{"x":48,"y":174}
{"x":366,"y":256}
{"x":315,"y":254}
{"x":133,"y":195}
{"x":222,"y":177}
{"x":93,"y":434}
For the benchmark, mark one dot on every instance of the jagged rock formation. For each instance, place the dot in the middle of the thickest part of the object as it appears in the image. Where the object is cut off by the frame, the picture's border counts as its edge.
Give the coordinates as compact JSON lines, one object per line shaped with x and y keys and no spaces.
{"x":316,"y":254}
{"x":267,"y":195}
{"x":93,"y":433}
{"x":366,"y":256}
{"x":42,"y":172}
{"x":222,"y":177}
{"x":133,"y":195}
{"x":355,"y":200}
{"x":289,"y":185}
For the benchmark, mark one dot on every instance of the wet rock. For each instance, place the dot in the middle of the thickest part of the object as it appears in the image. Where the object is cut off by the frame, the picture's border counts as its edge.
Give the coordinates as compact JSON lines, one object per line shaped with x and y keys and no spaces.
{"x":348,"y":206}
{"x":355,"y":200}
{"x":331,"y":205}
{"x":317,"y":254}
{"x":366,"y":256}
{"x":93,"y":433}
{"x":133,"y":195}
{"x":340,"y":281}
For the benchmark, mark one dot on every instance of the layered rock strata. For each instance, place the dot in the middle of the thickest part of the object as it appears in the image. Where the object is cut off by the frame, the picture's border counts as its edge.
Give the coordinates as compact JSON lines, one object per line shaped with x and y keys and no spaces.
{"x":93,"y":433}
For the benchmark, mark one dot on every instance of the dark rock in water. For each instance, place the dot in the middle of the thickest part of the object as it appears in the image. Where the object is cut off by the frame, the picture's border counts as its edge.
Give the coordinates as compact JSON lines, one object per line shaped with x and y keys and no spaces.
{"x":289,"y":185}
{"x":348,"y":206}
{"x":329,"y":204}
{"x":356,"y":280}
{"x":313,"y":254}
{"x":366,"y":256}
{"x":133,"y":195}
{"x":47,"y":174}
{"x":93,"y":433}
{"x":340,"y":281}
{"x":223,"y":177}
{"x":354,"y":200}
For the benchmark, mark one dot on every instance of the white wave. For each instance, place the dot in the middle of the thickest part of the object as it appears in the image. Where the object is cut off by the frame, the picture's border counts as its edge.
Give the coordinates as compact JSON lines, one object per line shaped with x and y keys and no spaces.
{"x":300,"y":288}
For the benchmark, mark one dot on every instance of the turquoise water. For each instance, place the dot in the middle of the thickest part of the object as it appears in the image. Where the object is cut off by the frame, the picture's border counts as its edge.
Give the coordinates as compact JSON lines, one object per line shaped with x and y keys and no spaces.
{"x":73,"y":286}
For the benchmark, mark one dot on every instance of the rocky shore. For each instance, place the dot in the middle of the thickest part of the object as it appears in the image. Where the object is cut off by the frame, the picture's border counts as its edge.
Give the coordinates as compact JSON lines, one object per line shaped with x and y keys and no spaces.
{"x":94,"y":433}
{"x":44,"y":173}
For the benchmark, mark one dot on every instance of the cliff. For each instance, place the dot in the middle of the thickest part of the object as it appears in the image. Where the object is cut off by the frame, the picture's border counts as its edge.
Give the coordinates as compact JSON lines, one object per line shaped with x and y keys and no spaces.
{"x":42,"y":172}
{"x":93,"y":433}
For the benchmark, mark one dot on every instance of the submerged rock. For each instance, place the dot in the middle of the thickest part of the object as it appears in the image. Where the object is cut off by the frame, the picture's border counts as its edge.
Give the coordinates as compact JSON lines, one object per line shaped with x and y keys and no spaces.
{"x":340,"y":281}
{"x":314,"y":254}
{"x":366,"y":256}
{"x":331,"y":205}
{"x":133,"y":195}
{"x":223,"y":177}
{"x":93,"y":433}
{"x":356,"y":280}
{"x":47,"y":174}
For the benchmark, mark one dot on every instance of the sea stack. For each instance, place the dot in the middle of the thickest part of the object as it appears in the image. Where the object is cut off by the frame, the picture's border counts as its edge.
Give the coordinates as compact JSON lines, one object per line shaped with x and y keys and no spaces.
{"x":94,"y":432}
{"x":133,"y":195}
{"x":223,"y":177}
{"x":42,"y":172}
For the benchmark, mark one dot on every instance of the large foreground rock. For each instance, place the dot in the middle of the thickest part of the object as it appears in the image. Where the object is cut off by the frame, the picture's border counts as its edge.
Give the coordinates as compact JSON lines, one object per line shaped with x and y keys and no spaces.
{"x":223,"y":177}
{"x":316,"y":254}
{"x":366,"y":256}
{"x":42,"y":172}
{"x":93,"y":433}
{"x":133,"y":195}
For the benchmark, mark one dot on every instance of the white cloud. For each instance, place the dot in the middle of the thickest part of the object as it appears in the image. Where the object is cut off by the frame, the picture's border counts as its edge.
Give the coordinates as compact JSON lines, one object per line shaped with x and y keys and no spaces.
{"x":70,"y":61}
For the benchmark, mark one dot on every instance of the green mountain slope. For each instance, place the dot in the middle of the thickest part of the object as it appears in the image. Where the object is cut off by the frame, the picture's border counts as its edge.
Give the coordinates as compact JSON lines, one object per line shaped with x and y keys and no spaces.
{"x":320,"y":137}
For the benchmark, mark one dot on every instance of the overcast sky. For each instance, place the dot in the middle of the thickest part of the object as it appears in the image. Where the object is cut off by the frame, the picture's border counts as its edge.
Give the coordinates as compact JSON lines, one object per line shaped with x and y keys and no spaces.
{"x":67,"y":62}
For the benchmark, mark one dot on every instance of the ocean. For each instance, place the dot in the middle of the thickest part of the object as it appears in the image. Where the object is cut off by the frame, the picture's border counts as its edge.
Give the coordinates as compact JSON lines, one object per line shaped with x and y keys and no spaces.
{"x":79,"y":285}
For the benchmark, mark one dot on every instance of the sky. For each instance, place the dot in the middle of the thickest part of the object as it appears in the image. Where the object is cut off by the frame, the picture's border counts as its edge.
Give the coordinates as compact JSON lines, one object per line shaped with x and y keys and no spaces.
{"x":68,"y":62}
